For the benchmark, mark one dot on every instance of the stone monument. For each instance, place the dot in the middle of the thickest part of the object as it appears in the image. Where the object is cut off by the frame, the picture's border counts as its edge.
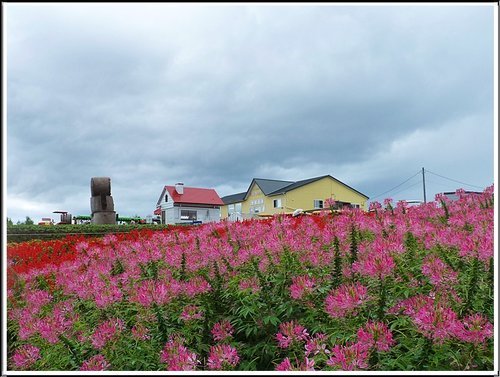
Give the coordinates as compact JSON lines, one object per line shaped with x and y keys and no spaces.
{"x":101,"y":202}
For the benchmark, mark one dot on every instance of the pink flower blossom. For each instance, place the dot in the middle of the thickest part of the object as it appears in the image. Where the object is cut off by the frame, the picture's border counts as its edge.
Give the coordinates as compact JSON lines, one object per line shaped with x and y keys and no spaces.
{"x":438,"y":272}
{"x":346,"y":299}
{"x":97,"y":362}
{"x":27,"y":324}
{"x":291,"y":332}
{"x":376,"y":265}
{"x":106,"y":331}
{"x":316,"y":345}
{"x":436,"y":322}
{"x":222,"y":330}
{"x":251,"y":283}
{"x":140,"y":332}
{"x":349,"y":357}
{"x":376,"y":335}
{"x":196,"y":286}
{"x":57,"y":323}
{"x":330,"y":203}
{"x":301,"y":286}
{"x":149,"y":292}
{"x":475,"y":329}
{"x":36,"y":299}
{"x":25,"y":356}
{"x":177,"y":356}
{"x":190,"y":313}
{"x":286,"y":365}
{"x":412,"y":305}
{"x":222,"y":357}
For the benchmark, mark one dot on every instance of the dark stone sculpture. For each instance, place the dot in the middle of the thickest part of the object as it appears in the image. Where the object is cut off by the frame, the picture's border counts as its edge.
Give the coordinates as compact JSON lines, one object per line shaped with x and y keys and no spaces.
{"x":101,"y":202}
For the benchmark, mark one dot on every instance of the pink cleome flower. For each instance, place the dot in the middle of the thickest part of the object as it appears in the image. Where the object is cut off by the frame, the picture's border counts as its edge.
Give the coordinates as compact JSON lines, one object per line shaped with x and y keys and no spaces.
{"x":474,"y":329}
{"x":291,"y":332}
{"x":106,"y":331}
{"x":375,"y":335}
{"x":301,"y":286}
{"x":345,"y":300}
{"x":140,"y":332}
{"x":222,"y":357}
{"x":286,"y":365}
{"x":438,"y":272}
{"x":316,"y":345}
{"x":222,"y":330}
{"x":36,"y":299}
{"x":349,"y":357}
{"x":25,"y":356}
{"x":191,"y":312}
{"x":436,"y":322}
{"x":251,"y":283}
{"x":376,"y":265}
{"x":177,"y":356}
{"x":97,"y":362}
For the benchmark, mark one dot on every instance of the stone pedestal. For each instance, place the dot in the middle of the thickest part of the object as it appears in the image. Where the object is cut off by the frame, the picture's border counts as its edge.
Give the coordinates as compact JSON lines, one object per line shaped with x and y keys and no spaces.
{"x":108,"y":217}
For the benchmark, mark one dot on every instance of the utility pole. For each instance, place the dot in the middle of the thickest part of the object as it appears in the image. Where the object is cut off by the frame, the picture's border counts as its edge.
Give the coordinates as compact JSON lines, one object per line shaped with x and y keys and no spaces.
{"x":423,"y":181}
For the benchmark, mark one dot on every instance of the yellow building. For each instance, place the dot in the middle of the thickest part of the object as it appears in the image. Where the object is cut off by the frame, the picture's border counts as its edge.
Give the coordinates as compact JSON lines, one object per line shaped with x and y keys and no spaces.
{"x":269,"y":197}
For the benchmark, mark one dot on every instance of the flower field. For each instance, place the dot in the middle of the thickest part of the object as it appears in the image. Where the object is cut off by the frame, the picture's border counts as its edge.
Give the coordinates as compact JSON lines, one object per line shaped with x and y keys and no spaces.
{"x":399,"y":288}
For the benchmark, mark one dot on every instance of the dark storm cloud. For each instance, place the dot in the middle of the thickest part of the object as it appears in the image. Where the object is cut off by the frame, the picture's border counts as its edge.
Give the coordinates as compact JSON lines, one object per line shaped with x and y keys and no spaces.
{"x":215,"y":96}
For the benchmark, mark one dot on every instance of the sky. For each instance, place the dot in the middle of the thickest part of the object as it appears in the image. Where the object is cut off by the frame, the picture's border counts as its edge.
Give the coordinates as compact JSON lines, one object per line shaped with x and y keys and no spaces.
{"x":216,"y":95}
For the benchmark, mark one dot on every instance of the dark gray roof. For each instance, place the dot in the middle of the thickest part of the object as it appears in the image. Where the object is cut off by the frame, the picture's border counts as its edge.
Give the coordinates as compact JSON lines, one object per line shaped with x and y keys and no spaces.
{"x":297,"y":185}
{"x":306,"y":182}
{"x":269,"y":185}
{"x":235,"y":198}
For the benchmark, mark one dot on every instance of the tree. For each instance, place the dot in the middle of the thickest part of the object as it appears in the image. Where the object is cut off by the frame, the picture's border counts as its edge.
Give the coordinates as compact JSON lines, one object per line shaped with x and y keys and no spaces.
{"x":9,"y":222}
{"x":28,"y":221}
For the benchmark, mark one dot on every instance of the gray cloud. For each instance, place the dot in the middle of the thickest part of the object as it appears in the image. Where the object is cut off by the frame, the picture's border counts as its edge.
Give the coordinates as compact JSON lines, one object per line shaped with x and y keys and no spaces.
{"x":215,"y":96}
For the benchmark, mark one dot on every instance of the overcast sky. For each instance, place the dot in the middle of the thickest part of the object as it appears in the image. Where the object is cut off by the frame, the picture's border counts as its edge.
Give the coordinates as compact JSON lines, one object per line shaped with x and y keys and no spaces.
{"x":214,"y":96}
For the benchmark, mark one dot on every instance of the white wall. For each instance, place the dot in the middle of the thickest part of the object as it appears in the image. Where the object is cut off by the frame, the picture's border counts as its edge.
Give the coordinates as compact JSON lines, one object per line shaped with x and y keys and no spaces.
{"x":205,"y":215}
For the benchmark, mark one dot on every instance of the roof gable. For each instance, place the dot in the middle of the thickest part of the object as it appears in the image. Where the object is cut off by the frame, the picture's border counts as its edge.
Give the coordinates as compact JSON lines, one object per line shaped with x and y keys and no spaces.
{"x":162,"y":195}
{"x":267,"y":185}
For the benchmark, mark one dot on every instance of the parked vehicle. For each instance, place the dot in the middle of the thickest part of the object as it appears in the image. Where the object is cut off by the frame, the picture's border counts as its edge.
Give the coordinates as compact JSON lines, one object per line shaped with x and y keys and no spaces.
{"x":46,"y":221}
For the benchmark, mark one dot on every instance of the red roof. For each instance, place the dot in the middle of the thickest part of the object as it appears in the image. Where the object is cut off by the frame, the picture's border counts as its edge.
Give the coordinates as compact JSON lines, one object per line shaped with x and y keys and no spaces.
{"x":157,"y":211}
{"x":194,"y":195}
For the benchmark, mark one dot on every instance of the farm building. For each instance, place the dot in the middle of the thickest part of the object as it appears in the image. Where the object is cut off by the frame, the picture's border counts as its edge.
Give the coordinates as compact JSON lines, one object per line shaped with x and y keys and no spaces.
{"x":178,"y":204}
{"x":269,"y":196}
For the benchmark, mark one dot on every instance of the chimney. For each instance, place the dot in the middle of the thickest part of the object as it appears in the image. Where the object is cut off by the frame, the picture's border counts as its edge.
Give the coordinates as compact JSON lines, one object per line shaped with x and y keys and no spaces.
{"x":179,"y":187}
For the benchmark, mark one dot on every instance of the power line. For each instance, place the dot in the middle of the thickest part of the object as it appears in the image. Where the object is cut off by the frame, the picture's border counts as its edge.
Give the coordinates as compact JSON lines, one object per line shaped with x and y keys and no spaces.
{"x":395,"y":187}
{"x":454,"y":180}
{"x":439,"y":183}
{"x":406,"y":188}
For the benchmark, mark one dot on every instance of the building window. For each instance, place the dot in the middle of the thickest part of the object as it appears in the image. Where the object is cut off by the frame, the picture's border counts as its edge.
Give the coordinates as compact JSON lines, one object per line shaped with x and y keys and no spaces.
{"x":188,"y":215}
{"x":277,"y":203}
{"x":230,"y":208}
{"x":166,"y":198}
{"x":237,"y":207}
{"x":318,"y":204}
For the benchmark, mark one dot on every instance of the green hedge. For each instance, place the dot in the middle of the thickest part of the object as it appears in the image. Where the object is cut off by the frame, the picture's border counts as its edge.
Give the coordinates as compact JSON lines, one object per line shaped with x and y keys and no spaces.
{"x":22,"y":233}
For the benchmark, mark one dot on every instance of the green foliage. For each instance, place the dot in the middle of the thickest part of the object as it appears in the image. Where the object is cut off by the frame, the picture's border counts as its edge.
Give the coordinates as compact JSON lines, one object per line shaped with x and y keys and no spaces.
{"x":23,"y":232}
{"x":354,"y":245}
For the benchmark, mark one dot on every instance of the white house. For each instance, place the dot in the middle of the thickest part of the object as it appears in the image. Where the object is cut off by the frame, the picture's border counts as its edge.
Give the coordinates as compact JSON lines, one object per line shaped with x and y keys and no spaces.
{"x":178,"y":204}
